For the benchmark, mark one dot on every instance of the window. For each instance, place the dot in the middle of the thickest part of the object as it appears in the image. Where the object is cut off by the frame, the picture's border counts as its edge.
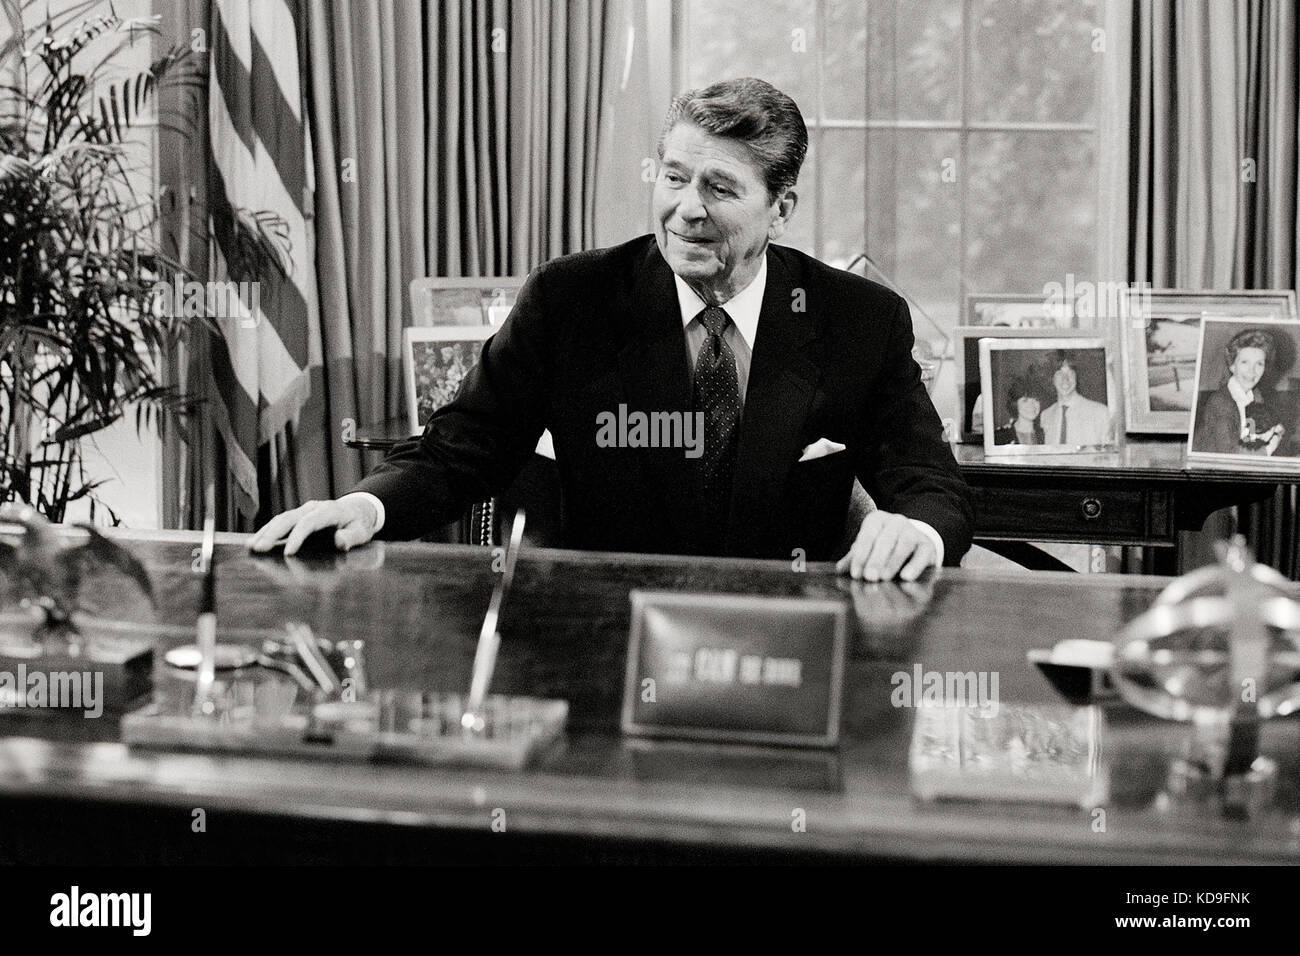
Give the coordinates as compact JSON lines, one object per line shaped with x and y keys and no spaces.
{"x":959,"y":143}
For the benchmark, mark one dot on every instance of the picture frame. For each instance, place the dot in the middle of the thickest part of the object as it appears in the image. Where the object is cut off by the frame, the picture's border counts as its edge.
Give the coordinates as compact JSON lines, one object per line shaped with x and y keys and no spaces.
{"x":1002,"y":310}
{"x":485,"y":300}
{"x":1033,"y":366}
{"x":1263,"y":434}
{"x":434,"y":362}
{"x":1159,"y":340}
{"x":966,"y":365}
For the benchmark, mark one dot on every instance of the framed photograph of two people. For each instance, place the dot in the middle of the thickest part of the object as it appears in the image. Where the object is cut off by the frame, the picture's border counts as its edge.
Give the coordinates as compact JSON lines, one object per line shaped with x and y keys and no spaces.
{"x":1049,"y":396}
{"x":1246,"y":404}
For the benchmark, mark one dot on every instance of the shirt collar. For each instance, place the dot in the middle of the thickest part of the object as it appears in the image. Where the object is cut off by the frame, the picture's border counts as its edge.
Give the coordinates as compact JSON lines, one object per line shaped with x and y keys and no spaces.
{"x":1239,"y":394}
{"x":743,"y":307}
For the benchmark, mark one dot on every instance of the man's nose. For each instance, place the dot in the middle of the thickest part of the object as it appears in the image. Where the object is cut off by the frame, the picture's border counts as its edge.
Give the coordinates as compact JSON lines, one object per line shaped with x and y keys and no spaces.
{"x":689,"y":206}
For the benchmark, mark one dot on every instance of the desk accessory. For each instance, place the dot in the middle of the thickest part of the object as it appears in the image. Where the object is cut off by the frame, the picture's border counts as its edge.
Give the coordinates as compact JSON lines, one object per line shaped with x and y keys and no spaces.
{"x":735,"y":668}
{"x":1220,"y":649}
{"x":1044,"y":753}
{"x":51,"y":633}
{"x":1079,"y":670}
{"x":293,"y":693}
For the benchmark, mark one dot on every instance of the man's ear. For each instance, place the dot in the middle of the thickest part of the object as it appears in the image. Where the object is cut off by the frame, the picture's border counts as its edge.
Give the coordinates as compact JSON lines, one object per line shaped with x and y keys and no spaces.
{"x":784,"y":209}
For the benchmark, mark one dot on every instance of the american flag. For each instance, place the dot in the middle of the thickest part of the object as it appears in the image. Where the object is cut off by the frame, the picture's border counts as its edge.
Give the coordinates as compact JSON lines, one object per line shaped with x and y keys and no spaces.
{"x":261,"y":167}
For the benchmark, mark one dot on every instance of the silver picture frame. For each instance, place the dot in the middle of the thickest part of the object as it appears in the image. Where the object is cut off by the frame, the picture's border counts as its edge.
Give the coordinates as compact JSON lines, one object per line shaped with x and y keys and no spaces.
{"x":1159,"y":341}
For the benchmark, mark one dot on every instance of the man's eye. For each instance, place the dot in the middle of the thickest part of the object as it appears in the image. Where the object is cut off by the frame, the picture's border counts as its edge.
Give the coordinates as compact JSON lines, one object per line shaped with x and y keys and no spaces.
{"x":673,"y":177}
{"x":722,"y":191}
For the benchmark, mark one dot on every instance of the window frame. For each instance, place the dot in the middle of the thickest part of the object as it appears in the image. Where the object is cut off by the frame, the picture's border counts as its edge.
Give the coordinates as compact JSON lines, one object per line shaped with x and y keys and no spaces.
{"x":1111,"y":128}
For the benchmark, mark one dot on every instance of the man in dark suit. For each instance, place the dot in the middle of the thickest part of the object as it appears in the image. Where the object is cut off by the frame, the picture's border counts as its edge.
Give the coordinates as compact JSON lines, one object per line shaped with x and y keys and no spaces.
{"x":707,"y":392}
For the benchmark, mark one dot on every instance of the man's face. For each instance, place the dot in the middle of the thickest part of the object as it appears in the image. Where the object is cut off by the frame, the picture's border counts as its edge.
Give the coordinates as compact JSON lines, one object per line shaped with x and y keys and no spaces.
{"x":713,"y":217}
{"x":1065,"y":380}
{"x":1248,"y":367}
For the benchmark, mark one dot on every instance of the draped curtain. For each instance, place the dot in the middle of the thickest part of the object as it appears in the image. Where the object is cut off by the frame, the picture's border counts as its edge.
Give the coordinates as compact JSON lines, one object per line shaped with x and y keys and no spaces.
{"x":448,"y":138}
{"x":1214,"y":171}
{"x":454,"y":138}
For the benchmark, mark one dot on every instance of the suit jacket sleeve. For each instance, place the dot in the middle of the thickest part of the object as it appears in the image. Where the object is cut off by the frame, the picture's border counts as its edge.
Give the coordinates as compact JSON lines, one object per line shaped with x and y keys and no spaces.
{"x":472,"y":448}
{"x":906,"y":466}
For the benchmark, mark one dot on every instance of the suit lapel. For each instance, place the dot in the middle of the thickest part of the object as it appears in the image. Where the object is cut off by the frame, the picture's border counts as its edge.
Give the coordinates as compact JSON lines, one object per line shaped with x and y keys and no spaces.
{"x":655,"y":378}
{"x":782,"y":382}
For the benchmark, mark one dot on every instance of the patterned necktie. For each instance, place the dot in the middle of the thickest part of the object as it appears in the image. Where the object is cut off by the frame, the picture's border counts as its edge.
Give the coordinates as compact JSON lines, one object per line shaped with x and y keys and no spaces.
{"x":717,"y":395}
{"x":1064,"y":430}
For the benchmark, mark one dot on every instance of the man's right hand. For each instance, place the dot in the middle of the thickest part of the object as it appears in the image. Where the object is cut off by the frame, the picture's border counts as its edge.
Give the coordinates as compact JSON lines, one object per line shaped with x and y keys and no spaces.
{"x":355,"y":519}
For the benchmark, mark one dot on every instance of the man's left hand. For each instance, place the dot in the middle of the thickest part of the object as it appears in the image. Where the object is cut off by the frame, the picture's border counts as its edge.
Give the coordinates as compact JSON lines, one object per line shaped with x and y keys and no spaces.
{"x":888,"y":546}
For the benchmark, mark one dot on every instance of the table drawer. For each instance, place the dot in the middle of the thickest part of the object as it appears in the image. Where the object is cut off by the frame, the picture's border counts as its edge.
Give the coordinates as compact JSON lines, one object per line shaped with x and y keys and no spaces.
{"x":1086,"y":514}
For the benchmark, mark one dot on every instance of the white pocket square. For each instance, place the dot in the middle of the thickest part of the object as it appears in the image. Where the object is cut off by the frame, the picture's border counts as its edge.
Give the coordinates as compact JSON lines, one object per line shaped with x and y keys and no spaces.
{"x":820,"y":449}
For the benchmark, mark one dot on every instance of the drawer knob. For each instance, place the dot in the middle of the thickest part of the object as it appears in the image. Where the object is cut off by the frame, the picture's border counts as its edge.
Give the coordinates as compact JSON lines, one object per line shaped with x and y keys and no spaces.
{"x":1090,"y":508}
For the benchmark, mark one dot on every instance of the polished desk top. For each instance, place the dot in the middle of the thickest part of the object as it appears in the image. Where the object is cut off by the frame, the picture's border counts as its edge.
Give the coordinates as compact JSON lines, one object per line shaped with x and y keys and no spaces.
{"x":564,"y":628}
{"x":1162,"y":459}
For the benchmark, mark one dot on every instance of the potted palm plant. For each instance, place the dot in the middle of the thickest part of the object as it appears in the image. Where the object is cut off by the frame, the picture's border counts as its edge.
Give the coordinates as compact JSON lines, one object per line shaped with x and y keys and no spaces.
{"x":83,"y":331}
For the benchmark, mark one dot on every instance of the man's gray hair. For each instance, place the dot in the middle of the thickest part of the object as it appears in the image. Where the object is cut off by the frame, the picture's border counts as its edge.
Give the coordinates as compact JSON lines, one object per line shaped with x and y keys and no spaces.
{"x":757,"y":114}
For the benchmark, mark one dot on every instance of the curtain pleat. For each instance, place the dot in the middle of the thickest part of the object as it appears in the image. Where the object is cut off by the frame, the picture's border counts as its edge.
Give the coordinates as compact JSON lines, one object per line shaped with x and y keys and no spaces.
{"x":1215,"y":181}
{"x":453,"y":138}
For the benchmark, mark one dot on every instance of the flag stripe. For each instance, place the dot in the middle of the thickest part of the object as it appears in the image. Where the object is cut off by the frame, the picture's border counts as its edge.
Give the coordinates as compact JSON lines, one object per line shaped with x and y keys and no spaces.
{"x":272,"y":21}
{"x":260,"y":110}
{"x":260,"y":144}
{"x":278,"y":128}
{"x":288,"y":314}
{"x":233,"y":82}
{"x":243,"y":171}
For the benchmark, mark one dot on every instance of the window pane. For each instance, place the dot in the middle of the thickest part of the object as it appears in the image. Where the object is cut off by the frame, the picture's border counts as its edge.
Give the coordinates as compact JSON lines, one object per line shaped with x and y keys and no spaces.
{"x":843,"y":175}
{"x":913,"y":221}
{"x":729,"y":38}
{"x":844,"y":77}
{"x":1032,"y":210}
{"x":800,"y":232}
{"x":1033,"y":60}
{"x":913,"y":55}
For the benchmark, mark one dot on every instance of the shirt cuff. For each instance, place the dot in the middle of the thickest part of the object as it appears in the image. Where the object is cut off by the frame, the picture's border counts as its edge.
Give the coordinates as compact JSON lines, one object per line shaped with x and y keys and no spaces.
{"x":379,"y":507}
{"x":930,"y":533}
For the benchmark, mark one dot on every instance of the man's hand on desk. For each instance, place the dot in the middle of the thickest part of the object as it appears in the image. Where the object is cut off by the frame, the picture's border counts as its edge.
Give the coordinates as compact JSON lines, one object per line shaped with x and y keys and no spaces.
{"x":355,"y":517}
{"x":888,"y":546}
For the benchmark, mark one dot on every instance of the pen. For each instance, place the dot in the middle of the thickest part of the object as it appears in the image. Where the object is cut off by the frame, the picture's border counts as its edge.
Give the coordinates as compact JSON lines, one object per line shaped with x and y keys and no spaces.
{"x":485,"y":657}
{"x":206,"y":629}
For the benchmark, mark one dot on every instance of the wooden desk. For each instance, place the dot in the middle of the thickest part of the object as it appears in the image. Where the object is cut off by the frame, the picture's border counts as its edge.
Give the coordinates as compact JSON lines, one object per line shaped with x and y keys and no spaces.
{"x":70,"y":793}
{"x":1142,"y":495}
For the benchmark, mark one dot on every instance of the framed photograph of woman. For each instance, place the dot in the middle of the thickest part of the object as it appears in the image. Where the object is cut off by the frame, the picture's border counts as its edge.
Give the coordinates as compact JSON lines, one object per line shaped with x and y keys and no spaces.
{"x":1049,"y":396}
{"x":1246,"y":412}
{"x":1160,"y":337}
{"x":436,"y":360}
